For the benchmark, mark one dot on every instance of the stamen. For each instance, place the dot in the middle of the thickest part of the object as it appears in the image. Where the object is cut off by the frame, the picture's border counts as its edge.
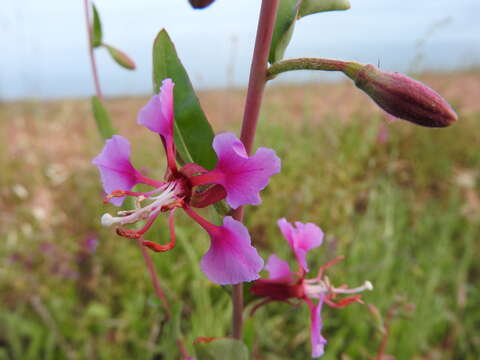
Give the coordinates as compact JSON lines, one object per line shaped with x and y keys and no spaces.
{"x":136,"y":234}
{"x":344,"y":302}
{"x":167,"y":197}
{"x":162,"y":248}
{"x":142,"y":195}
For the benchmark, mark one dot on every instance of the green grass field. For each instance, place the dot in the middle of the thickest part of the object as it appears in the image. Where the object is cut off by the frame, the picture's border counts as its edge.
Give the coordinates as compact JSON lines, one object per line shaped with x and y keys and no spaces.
{"x":400,"y":202}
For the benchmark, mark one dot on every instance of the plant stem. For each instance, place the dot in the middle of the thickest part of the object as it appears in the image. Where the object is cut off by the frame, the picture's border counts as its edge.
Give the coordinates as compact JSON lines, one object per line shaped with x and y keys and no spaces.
{"x":256,"y":85}
{"x":348,"y":67}
{"x":98,"y":91}
{"x":93,"y":63}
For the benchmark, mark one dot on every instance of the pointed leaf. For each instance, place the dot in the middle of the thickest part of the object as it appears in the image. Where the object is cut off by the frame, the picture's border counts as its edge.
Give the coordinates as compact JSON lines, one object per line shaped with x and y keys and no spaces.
{"x":193,"y":133}
{"x":104,"y":124}
{"x":120,"y":57}
{"x":221,"y":349}
{"x":283,"y":30}
{"x":315,"y":6}
{"x":96,"y":28}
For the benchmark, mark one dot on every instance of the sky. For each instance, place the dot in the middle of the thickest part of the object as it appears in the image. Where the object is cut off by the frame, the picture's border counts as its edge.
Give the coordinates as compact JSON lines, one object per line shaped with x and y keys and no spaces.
{"x":45,"y":56}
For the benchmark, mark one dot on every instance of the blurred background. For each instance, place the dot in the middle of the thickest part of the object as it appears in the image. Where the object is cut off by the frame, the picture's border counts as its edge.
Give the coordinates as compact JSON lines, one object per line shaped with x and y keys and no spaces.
{"x":44,"y":46}
{"x":400,"y":202}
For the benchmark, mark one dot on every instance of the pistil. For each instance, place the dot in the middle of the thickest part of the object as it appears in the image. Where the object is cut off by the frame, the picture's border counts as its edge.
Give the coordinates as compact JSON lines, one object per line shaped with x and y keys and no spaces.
{"x":168,"y":196}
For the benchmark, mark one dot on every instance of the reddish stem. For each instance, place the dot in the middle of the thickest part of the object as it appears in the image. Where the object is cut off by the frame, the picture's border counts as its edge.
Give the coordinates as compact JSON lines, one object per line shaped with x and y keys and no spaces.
{"x":155,"y":281}
{"x":256,"y":85}
{"x":383,"y":344}
{"x":93,"y":63}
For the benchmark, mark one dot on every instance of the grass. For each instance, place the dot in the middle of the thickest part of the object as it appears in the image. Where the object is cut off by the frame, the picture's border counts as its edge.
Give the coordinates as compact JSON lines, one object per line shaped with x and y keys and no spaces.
{"x":404,"y":211}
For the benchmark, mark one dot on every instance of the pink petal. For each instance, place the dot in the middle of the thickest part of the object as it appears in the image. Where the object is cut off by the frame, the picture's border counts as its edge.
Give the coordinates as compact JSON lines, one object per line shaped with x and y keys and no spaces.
{"x":278,"y":269}
{"x":243,"y":177}
{"x":318,"y":341}
{"x":302,"y":238}
{"x":157,"y":115}
{"x":116,"y":170}
{"x":231,"y":258}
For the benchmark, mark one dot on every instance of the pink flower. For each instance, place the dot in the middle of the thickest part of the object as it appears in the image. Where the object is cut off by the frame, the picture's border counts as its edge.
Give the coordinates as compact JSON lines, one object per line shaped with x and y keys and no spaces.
{"x":241,"y":176}
{"x":237,"y":177}
{"x":286,"y":285}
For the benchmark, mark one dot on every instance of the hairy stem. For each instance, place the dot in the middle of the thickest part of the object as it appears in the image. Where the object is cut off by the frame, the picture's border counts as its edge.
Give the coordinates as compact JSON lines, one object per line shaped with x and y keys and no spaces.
{"x":93,"y":63}
{"x":256,"y":84}
{"x":347,"y":67}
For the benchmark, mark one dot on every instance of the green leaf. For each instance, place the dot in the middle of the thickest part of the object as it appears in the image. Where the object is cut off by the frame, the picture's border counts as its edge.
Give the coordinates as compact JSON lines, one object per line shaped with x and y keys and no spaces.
{"x":308,"y":7}
{"x":249,"y":333}
{"x":193,"y":133}
{"x":221,"y":349}
{"x":120,"y":57}
{"x":97,"y":28}
{"x":102,"y":119}
{"x":283,"y":30}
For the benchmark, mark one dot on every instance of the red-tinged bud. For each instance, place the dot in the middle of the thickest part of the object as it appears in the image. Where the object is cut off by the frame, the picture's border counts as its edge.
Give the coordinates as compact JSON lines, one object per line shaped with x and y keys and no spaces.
{"x":120,"y":57}
{"x":403,"y":97}
{"x":200,"y":4}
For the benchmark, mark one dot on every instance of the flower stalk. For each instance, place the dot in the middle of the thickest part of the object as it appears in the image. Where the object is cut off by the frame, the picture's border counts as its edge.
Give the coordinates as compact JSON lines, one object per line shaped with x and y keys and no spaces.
{"x":256,"y":85}
{"x":98,"y":91}
{"x":397,"y":94}
{"x":93,"y":63}
{"x":347,"y":67}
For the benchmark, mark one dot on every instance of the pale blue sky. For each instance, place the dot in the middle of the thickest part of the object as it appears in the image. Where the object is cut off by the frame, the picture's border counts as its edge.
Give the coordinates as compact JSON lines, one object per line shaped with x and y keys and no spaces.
{"x":44,"y":51}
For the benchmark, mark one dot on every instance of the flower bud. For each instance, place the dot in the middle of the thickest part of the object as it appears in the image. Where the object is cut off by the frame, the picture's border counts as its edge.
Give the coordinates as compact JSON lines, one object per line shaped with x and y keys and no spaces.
{"x":404,"y":97}
{"x":200,"y":4}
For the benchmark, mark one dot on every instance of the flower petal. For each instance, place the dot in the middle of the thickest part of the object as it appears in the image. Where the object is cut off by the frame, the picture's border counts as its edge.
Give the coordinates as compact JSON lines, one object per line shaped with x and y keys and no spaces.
{"x":157,"y":115}
{"x":231,"y":258}
{"x":278,"y":269}
{"x":302,"y":238}
{"x":243,"y":177}
{"x":116,"y":170}
{"x":318,"y":341}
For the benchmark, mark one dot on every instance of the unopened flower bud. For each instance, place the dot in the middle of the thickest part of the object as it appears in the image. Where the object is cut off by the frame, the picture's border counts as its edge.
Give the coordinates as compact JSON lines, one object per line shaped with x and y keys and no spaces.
{"x":200,"y":4}
{"x":403,"y":97}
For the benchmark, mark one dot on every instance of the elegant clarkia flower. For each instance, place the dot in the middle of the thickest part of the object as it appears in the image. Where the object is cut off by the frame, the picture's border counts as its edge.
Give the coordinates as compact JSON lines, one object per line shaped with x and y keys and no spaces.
{"x":237,"y":177}
{"x":286,"y":285}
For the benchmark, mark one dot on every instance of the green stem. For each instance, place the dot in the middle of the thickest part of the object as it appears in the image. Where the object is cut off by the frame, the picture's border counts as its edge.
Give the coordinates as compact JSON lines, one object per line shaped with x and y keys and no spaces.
{"x":87,"y":6}
{"x":349,"y":68}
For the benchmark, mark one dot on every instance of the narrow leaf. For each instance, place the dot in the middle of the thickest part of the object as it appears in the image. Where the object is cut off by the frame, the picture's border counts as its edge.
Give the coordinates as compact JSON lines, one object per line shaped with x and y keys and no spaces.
{"x":221,"y":349}
{"x":283,"y":30}
{"x":193,"y":133}
{"x":104,"y":124}
{"x":120,"y":57}
{"x":249,"y":333}
{"x":308,"y":7}
{"x":97,"y":28}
